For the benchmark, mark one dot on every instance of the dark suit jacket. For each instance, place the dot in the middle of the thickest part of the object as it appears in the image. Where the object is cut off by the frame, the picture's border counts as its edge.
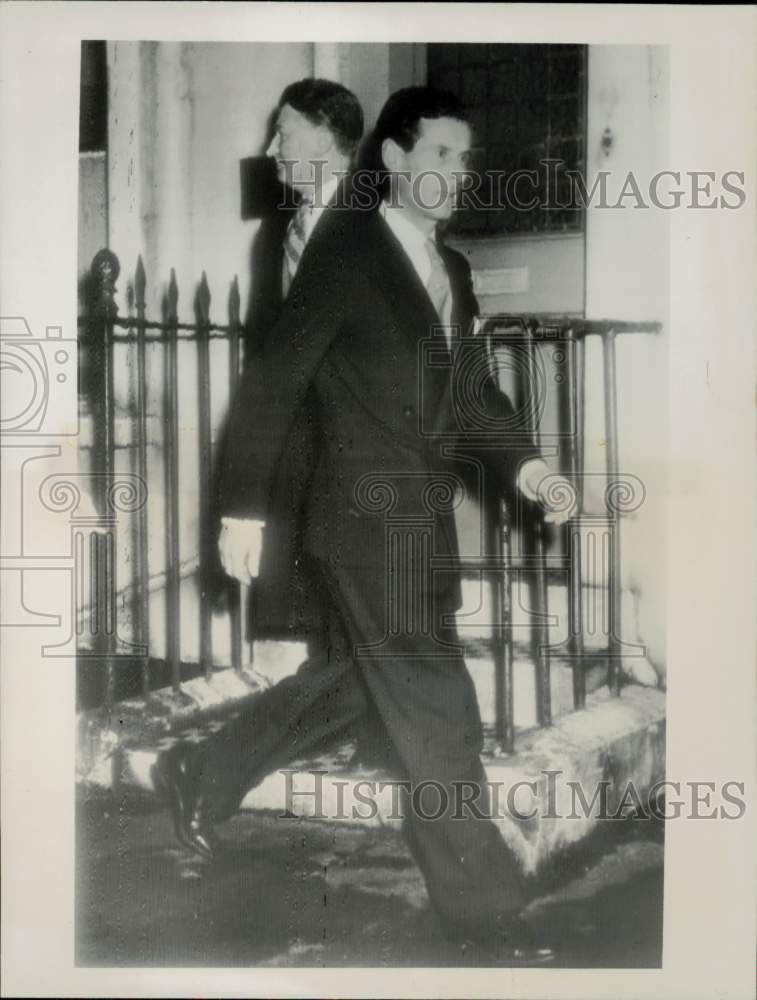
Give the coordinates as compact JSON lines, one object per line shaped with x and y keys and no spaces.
{"x":348,"y":345}
{"x":294,"y":607}
{"x":291,"y":609}
{"x":266,"y":293}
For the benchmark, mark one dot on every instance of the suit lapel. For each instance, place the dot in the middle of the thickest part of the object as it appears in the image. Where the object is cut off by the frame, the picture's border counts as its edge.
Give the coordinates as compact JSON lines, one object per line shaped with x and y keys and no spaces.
{"x":417,"y":316}
{"x":396,"y":273}
{"x":409,"y":300}
{"x":461,"y":321}
{"x":330,"y":217}
{"x":380,"y":254}
{"x":398,"y":279}
{"x":459,"y":317}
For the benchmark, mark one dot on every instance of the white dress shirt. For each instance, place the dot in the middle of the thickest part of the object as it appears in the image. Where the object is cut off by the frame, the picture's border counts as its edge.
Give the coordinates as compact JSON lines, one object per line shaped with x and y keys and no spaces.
{"x":413,"y":242}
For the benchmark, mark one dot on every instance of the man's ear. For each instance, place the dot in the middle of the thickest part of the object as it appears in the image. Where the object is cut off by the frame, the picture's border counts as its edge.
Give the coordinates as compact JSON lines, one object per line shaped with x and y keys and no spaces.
{"x":392,"y":155}
{"x":324,"y":140}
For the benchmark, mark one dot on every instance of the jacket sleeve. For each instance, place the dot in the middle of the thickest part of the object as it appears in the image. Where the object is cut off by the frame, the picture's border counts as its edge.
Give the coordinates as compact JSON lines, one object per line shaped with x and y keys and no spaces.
{"x":495,"y":433}
{"x":272,"y":389}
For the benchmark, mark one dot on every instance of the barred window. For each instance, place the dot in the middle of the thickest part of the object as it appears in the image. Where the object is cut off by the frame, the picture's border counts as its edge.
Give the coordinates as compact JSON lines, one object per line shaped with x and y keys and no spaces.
{"x":527,"y":104}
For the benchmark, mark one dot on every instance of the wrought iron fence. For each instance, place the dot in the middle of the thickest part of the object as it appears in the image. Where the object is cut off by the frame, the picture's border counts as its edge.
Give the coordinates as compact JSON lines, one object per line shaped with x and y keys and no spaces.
{"x":101,"y":331}
{"x":518,"y":547}
{"x":587,"y":562}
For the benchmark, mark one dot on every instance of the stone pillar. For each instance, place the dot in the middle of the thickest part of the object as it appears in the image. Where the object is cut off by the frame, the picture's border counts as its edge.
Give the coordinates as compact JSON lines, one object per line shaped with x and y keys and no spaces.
{"x":181,"y":118}
{"x":627,"y":278}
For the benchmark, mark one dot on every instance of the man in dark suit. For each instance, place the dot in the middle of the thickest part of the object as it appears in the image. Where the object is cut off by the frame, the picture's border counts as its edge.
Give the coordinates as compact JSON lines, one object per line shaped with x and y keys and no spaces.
{"x":318,"y":125}
{"x":367,"y":333}
{"x":316,"y":131}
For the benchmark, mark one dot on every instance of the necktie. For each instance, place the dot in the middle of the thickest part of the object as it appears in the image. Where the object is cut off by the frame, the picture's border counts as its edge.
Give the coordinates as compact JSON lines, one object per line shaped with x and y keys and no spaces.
{"x":438,"y":286}
{"x":294,"y":244}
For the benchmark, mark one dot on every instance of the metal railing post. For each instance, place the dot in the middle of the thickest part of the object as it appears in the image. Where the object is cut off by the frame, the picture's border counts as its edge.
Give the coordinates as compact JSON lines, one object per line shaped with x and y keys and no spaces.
{"x":143,"y":556}
{"x":173,"y":567}
{"x":105,"y":271}
{"x":202,"y":314}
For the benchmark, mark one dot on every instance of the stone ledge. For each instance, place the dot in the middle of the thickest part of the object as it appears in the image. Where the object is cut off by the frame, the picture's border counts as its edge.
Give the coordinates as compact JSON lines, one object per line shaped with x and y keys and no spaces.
{"x":614,"y":740}
{"x":102,"y":737}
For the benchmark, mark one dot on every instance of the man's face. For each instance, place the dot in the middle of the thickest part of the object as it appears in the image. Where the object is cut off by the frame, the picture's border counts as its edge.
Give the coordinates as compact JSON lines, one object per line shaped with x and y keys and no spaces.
{"x":430,"y":174}
{"x":298,"y":147}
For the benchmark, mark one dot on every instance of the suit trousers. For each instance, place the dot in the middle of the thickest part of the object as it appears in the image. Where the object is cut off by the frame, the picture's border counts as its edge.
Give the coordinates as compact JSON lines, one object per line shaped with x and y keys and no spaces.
{"x":412,"y":692}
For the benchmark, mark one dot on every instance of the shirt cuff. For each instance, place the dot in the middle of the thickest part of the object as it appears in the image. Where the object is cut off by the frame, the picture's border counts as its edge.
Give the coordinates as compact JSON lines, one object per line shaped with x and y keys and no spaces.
{"x":531,"y":467}
{"x":232,"y":522}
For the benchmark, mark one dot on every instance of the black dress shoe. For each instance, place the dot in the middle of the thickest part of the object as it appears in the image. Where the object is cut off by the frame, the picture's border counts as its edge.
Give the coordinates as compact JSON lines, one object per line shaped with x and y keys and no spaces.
{"x":173,"y":780}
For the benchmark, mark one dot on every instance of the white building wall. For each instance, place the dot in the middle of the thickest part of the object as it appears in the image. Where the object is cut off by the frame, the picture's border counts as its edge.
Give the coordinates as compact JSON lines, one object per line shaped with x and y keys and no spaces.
{"x":627,"y":277}
{"x":181,"y":118}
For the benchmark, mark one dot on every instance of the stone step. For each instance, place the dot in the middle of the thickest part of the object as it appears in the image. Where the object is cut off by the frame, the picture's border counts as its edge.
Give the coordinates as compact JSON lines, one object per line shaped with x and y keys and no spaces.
{"x":534,"y":792}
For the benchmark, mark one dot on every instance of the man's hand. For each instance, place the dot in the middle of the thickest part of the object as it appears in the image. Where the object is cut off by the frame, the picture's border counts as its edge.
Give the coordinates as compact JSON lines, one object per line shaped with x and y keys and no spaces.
{"x":556,"y":494}
{"x":239,"y":545}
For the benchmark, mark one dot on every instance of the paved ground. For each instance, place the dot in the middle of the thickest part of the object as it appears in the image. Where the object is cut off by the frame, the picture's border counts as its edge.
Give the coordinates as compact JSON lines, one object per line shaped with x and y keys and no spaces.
{"x":306,"y":893}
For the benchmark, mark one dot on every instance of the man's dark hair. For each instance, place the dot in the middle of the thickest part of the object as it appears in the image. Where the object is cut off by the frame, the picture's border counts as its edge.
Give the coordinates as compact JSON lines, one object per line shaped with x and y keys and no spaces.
{"x":324,"y":102}
{"x":400,"y":117}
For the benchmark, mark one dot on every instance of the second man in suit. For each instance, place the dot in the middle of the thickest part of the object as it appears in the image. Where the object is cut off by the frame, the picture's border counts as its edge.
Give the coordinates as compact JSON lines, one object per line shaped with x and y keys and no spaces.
{"x":316,"y":130}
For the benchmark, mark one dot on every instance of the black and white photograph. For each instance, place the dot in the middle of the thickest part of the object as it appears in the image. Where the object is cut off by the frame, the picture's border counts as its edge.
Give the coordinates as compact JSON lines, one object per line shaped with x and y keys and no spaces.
{"x":375,"y":422}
